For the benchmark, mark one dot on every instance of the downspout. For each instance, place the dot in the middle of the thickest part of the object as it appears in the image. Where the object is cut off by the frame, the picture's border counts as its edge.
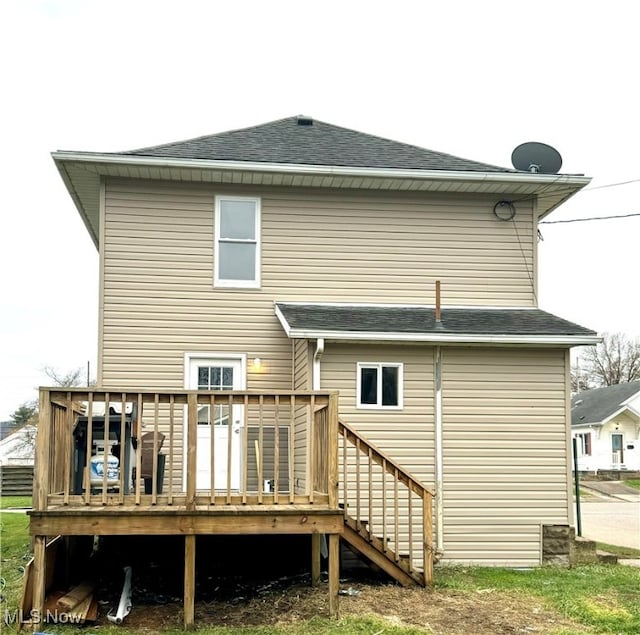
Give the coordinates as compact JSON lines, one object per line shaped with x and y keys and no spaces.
{"x":324,"y":547}
{"x":438,"y":451}
{"x":437,"y":407}
{"x":316,"y":362}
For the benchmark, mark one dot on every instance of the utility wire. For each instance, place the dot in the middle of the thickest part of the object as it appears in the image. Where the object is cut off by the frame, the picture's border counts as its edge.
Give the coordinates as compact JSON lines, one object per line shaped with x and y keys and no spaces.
{"x":542,"y":195}
{"x":526,"y":264}
{"x":584,"y":220}
{"x":600,"y":187}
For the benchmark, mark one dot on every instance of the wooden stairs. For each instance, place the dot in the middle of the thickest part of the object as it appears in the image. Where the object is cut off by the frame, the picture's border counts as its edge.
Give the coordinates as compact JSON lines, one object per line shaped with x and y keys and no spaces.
{"x":376,"y":551}
{"x":387,"y":511}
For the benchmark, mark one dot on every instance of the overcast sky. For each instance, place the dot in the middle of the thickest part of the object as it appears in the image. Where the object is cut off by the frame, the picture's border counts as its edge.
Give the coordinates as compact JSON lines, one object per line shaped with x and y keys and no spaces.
{"x":474,"y":79}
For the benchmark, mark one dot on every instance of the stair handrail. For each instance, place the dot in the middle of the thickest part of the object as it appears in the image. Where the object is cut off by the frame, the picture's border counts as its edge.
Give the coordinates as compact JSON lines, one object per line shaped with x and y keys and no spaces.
{"x":402,"y":475}
{"x":384,"y":459}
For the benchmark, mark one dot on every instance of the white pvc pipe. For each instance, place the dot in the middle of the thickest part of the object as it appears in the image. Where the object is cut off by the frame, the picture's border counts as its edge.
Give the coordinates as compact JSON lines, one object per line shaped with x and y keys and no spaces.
{"x":316,"y":362}
{"x":124,"y":608}
{"x":438,"y":449}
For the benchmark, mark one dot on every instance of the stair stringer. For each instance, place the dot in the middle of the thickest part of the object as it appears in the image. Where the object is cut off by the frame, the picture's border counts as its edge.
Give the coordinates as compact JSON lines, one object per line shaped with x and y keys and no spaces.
{"x":371,"y":548}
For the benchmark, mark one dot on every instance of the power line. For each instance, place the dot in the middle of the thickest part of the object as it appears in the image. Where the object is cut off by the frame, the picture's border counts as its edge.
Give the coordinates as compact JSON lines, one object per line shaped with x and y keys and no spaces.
{"x":600,"y":187}
{"x":584,"y":220}
{"x":541,"y":194}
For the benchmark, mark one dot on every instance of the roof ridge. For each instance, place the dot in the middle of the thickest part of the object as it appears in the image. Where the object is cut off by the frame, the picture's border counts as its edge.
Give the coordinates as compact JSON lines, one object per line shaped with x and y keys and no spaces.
{"x":399,"y":147}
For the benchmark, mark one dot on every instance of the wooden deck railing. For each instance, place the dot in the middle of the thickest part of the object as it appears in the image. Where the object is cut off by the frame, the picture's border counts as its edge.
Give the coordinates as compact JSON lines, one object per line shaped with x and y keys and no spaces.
{"x":386,"y":504}
{"x":185,"y":448}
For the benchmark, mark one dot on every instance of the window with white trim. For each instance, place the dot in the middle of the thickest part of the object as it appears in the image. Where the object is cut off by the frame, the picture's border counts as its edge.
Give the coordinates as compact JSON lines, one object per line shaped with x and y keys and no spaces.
{"x":584,"y":443}
{"x":379,"y":385}
{"x":237,"y":242}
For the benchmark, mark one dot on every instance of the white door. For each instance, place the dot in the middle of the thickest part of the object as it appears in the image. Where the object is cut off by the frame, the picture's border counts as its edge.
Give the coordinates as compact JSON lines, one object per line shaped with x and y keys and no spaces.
{"x":617,"y":449}
{"x":218,"y":374}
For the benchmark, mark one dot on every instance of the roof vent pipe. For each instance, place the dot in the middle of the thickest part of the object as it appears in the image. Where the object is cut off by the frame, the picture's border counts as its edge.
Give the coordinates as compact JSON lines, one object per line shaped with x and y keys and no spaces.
{"x":438,"y":324}
{"x":304,"y":121}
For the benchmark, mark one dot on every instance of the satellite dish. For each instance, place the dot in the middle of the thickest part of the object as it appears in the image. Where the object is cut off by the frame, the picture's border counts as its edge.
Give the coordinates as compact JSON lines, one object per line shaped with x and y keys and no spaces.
{"x":535,"y":157}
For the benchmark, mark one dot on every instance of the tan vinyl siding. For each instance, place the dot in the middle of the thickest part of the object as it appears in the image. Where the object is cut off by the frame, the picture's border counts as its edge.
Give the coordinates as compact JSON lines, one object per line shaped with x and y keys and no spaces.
{"x":504,"y":452}
{"x":302,"y":368}
{"x":157,"y":258}
{"x":301,"y":365}
{"x":159,"y":299}
{"x":407,"y":434}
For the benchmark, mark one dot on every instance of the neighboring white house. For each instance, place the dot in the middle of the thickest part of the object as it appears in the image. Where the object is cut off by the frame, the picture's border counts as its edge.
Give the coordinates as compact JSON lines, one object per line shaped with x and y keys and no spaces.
{"x":606,"y":423}
{"x":19,"y":447}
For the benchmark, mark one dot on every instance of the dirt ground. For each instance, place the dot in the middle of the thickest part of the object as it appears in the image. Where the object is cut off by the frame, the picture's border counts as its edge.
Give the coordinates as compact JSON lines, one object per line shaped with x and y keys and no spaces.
{"x":444,"y":612}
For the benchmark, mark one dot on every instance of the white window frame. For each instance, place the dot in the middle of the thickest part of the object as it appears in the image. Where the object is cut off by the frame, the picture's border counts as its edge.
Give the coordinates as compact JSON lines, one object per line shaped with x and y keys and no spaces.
{"x":213,"y":358}
{"x":581,"y":438}
{"x":231,"y":283}
{"x":379,"y":366}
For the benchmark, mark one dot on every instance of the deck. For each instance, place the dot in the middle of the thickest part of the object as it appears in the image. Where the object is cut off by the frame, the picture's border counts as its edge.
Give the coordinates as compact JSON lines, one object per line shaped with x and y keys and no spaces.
{"x":190,"y":463}
{"x":187,"y":463}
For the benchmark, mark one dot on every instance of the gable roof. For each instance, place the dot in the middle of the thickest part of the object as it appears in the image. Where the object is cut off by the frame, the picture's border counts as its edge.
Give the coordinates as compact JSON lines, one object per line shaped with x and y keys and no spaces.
{"x":284,"y":153}
{"x":306,"y":141}
{"x":418,"y":323}
{"x":600,"y":404}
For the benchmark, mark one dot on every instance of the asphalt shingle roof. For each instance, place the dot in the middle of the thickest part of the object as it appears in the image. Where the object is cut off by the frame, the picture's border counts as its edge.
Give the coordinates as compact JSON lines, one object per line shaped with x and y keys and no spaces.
{"x":322,"y":144}
{"x":421,"y":320}
{"x":598,"y":404}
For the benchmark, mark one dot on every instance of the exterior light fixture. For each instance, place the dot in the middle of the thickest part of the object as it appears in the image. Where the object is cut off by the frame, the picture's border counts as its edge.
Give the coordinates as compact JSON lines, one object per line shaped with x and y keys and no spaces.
{"x":257,"y":364}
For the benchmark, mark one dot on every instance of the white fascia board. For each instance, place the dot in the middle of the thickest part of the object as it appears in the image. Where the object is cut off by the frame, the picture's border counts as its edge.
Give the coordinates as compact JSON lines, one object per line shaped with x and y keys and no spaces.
{"x":636,"y":395}
{"x":283,"y":320}
{"x":592,"y":424}
{"x":545,"y":180}
{"x":633,"y":409}
{"x":443,"y":338}
{"x":619,"y":411}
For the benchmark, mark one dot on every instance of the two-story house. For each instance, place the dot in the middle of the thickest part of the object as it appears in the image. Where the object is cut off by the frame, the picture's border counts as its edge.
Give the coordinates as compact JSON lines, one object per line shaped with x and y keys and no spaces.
{"x":247,"y":276}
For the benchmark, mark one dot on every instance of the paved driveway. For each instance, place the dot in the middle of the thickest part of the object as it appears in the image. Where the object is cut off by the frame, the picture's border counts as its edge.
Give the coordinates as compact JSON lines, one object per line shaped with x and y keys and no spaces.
{"x":615,"y":522}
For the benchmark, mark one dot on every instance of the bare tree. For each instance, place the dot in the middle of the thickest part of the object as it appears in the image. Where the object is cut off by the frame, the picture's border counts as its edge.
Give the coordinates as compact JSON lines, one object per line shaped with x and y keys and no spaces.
{"x":580,"y":379}
{"x":66,"y":380}
{"x":614,"y":361}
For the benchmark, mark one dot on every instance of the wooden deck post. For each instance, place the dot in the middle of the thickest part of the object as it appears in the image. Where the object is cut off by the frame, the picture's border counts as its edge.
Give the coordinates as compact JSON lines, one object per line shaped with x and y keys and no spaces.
{"x":192,"y":440}
{"x":427,"y":528}
{"x":315,"y":559}
{"x":332,"y":472}
{"x":334,"y":573}
{"x":189,"y":580}
{"x":39,"y":577}
{"x":43,"y":440}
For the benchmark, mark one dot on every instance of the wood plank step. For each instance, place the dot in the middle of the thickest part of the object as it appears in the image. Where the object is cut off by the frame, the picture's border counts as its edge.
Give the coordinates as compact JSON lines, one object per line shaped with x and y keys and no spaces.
{"x":382,"y":560}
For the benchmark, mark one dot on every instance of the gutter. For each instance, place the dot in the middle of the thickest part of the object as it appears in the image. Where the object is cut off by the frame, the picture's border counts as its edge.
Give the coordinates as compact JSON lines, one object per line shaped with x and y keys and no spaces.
{"x":444,"y":338}
{"x":572,"y":180}
{"x":437,"y":406}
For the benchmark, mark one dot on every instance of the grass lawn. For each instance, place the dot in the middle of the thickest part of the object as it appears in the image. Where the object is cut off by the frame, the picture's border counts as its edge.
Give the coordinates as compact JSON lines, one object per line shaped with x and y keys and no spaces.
{"x":15,"y":549}
{"x":623,"y":552}
{"x":603,"y":597}
{"x":597,"y":599}
{"x":633,"y":482}
{"x":7,"y":502}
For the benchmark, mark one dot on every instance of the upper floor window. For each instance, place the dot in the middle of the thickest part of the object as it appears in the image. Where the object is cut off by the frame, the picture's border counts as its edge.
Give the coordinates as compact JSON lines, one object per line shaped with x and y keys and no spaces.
{"x":379,"y":385}
{"x":237,"y":236}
